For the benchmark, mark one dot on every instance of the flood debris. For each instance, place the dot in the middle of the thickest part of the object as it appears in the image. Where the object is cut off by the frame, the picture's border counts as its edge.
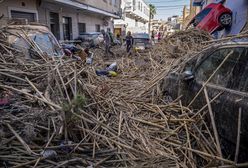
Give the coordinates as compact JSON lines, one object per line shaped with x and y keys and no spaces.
{"x":63,"y":114}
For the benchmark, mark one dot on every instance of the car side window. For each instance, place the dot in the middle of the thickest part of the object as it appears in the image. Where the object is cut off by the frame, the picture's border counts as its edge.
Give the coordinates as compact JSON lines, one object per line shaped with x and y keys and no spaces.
{"x":229,"y":74}
{"x":243,"y":85}
{"x":201,"y":16}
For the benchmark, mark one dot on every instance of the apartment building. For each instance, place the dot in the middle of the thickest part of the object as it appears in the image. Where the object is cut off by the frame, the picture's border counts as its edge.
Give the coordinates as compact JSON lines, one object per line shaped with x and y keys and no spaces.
{"x":66,"y":18}
{"x":135,"y":17}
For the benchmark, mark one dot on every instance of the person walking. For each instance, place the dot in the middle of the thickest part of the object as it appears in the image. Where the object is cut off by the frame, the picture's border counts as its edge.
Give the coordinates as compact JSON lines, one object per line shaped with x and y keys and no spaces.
{"x":129,"y":41}
{"x":107,"y":41}
{"x":159,"y":36}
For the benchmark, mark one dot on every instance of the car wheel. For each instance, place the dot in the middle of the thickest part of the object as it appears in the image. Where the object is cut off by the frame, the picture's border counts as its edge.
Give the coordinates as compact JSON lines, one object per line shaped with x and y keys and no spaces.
{"x":225,"y":19}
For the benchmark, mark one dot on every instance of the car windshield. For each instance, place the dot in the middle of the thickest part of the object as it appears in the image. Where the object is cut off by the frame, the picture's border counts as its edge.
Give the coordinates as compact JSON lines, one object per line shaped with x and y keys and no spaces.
{"x":141,"y":36}
{"x":44,"y":40}
{"x":140,"y":40}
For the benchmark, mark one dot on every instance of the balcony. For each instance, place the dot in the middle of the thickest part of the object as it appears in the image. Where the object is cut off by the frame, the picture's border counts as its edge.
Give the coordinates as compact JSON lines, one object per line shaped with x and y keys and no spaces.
{"x":134,"y":13}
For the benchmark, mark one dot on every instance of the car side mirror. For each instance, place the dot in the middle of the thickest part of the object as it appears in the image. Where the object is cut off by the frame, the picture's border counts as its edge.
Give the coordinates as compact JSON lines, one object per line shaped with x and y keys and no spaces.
{"x":187,"y":75}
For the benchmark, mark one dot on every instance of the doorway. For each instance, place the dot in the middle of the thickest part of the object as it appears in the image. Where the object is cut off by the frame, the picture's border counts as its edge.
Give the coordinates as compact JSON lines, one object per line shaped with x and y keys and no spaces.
{"x":54,"y":24}
{"x":67,"y":28}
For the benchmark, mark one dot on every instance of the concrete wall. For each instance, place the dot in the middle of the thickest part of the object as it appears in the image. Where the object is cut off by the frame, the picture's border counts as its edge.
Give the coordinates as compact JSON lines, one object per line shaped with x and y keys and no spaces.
{"x":106,"y":5}
{"x":136,"y":27}
{"x":91,"y":21}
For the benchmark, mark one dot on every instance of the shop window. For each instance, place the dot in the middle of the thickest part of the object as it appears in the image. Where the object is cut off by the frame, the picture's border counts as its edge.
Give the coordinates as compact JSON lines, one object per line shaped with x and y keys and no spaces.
{"x":81,"y":28}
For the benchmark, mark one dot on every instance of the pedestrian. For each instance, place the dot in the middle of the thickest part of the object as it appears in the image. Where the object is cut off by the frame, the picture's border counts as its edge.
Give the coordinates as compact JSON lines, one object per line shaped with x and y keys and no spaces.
{"x":129,"y":41}
{"x":159,"y":36}
{"x":153,"y":35}
{"x":118,"y":39}
{"x":107,"y":41}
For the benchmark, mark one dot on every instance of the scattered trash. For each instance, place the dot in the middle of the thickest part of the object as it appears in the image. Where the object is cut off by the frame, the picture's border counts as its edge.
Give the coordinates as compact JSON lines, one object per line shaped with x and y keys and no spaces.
{"x":49,"y":153}
{"x":112,"y":67}
{"x":65,"y":146}
{"x":4,"y":101}
{"x":110,"y":71}
{"x":89,"y":59}
{"x":106,"y":73}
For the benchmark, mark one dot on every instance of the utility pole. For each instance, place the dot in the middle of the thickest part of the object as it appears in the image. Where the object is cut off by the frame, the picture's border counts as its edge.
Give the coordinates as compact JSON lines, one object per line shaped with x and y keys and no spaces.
{"x":149,"y":22}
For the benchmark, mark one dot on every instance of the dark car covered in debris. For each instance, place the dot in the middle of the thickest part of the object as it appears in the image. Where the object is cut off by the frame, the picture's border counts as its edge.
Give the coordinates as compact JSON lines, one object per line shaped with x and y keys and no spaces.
{"x":25,"y":38}
{"x":219,"y":74}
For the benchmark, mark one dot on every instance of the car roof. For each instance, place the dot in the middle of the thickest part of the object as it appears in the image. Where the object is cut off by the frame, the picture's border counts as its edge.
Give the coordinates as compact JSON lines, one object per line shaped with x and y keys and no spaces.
{"x":40,"y":28}
{"x":90,"y":33}
{"x":234,"y":41}
{"x":141,"y":35}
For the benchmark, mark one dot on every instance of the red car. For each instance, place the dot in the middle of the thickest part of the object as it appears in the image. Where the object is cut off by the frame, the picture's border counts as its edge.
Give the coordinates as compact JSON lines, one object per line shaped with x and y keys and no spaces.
{"x":213,"y":17}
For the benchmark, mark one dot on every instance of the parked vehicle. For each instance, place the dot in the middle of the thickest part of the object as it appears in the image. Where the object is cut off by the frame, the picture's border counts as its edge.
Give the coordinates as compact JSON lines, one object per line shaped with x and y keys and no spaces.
{"x":223,"y":70}
{"x":212,"y":18}
{"x":141,"y":41}
{"x":17,"y":36}
{"x":91,"y":39}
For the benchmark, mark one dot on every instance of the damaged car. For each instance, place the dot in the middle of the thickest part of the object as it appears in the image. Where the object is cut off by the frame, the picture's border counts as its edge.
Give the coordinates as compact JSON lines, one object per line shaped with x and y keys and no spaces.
{"x":213,"y":17}
{"x":25,"y":38}
{"x":221,"y":71}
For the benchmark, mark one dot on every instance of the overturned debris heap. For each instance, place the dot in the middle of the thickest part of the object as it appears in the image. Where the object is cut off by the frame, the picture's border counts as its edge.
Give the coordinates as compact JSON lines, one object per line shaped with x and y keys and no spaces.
{"x":57,"y":113}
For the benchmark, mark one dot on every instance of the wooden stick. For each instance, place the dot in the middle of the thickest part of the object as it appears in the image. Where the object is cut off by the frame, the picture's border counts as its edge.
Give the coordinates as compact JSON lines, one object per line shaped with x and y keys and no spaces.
{"x":213,"y":123}
{"x":238,"y":136}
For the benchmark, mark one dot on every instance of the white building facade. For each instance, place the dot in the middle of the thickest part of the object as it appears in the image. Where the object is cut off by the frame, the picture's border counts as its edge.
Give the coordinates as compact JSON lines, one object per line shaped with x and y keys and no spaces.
{"x":135,"y":17}
{"x":67,"y":19}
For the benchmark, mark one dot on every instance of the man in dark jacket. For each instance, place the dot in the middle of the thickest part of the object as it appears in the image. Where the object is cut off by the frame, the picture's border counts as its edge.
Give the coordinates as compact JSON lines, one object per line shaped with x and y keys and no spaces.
{"x":107,"y":40}
{"x":129,"y":41}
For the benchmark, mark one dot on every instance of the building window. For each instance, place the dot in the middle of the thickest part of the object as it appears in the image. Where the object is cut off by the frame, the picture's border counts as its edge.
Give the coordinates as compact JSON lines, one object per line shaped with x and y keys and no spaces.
{"x":31,"y":17}
{"x":136,"y":23}
{"x":98,"y":28}
{"x":81,"y":28}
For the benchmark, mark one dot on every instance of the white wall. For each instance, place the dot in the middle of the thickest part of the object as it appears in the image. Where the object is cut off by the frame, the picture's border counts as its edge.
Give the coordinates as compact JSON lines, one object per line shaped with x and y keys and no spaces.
{"x":134,"y":27}
{"x":77,"y":17}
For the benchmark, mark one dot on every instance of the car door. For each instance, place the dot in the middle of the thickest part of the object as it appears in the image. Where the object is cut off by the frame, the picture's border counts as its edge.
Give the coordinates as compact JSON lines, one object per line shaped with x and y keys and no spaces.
{"x":230,"y":81}
{"x":203,"y":19}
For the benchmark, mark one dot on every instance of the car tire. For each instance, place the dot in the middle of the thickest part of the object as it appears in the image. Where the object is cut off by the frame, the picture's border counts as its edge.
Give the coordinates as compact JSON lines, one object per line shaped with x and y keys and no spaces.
{"x":225,"y":20}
